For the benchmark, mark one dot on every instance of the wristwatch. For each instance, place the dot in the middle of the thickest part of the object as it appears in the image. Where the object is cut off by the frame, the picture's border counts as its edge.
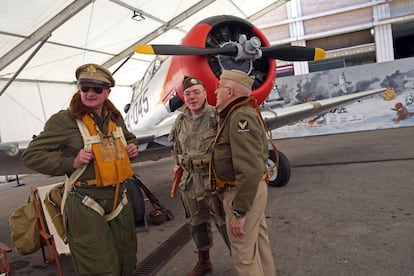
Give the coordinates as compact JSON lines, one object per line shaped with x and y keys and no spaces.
{"x":238,"y":214}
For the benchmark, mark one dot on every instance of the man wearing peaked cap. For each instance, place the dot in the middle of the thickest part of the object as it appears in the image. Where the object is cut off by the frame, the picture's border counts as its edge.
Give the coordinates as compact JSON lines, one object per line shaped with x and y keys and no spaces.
{"x":65,"y":147}
{"x":192,"y":156}
{"x":94,"y":74}
{"x":238,"y":166}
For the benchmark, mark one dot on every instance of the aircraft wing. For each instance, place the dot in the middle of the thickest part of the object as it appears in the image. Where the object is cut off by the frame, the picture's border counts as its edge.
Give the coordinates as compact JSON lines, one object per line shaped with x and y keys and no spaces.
{"x":153,"y":142}
{"x":10,"y":163}
{"x":278,"y":117}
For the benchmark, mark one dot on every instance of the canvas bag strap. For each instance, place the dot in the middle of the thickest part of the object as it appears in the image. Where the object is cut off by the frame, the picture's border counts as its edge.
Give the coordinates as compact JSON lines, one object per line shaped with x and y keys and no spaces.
{"x":78,"y":172}
{"x":269,"y":136}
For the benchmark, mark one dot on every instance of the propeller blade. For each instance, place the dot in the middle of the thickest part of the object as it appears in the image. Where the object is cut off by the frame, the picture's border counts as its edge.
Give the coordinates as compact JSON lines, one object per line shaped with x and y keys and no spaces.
{"x":183,"y":50}
{"x":288,"y":53}
{"x":293,"y":53}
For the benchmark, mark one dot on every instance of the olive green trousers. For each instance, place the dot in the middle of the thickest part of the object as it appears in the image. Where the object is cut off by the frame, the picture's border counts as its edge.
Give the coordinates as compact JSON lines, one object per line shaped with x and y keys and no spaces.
{"x":97,"y":246}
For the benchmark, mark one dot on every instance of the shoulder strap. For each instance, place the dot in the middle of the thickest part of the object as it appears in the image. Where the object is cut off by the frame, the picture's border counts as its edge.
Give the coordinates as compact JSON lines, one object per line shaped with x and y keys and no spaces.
{"x":269,"y":136}
{"x":177,"y":129}
{"x":119,"y":133}
{"x":87,"y":141}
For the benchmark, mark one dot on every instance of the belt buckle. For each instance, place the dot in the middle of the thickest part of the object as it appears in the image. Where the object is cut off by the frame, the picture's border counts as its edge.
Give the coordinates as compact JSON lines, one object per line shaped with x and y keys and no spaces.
{"x":83,"y":183}
{"x":230,"y":188}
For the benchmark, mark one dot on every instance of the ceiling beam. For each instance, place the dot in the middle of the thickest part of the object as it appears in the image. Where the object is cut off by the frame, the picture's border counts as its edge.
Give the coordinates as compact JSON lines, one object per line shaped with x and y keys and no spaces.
{"x":157,"y":32}
{"x":267,"y":9}
{"x":44,"y":31}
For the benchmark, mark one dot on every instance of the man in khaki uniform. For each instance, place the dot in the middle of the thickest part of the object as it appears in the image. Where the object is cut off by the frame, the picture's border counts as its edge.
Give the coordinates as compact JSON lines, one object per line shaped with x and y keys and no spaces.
{"x":192,"y":136}
{"x":238,"y":166}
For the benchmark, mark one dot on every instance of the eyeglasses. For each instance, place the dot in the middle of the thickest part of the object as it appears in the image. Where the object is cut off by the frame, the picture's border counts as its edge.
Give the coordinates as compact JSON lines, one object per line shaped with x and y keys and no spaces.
{"x":97,"y":90}
{"x":224,"y":87}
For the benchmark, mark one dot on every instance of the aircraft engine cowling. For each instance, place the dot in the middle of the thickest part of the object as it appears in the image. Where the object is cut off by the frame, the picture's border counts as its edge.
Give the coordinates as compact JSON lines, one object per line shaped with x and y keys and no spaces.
{"x":219,"y":31}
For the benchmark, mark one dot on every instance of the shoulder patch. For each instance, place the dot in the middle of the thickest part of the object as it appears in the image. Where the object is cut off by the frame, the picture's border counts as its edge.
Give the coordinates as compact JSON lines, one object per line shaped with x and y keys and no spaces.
{"x":243,"y":126}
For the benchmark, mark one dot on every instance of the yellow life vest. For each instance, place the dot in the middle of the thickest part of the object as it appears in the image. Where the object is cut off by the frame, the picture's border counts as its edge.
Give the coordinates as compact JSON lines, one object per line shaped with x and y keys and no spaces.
{"x":111,"y":161}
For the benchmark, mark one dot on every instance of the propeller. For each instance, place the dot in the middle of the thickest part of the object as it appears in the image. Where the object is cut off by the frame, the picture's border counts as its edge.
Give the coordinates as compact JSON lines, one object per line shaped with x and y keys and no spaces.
{"x":294,"y":53}
{"x":183,"y":50}
{"x":246,"y":49}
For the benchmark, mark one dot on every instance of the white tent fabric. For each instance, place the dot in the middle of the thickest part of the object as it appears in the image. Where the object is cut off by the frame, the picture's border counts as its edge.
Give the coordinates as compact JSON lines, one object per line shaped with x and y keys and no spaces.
{"x":42,"y":43}
{"x":102,"y":31}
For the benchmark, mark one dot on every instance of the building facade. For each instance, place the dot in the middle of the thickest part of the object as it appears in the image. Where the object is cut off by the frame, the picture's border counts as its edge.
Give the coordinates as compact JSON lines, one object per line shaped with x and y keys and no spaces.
{"x":352,"y":32}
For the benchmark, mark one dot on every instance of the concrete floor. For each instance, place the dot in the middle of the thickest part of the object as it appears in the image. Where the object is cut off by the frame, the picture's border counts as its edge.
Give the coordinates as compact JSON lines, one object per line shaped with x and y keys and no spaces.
{"x":347,"y":210}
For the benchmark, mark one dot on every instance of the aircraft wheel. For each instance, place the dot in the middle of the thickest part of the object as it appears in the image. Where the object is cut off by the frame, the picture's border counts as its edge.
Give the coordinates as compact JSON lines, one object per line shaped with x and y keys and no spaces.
{"x":280,"y":176}
{"x":136,"y":197}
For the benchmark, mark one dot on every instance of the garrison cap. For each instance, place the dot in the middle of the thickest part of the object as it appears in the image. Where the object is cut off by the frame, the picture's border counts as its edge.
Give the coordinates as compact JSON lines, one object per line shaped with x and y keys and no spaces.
{"x":189,"y":81}
{"x":239,"y":77}
{"x":94,"y":74}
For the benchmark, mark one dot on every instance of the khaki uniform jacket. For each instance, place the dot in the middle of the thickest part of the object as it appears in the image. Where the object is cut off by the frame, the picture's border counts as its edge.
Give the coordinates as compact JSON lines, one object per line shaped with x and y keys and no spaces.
{"x":53,"y":151}
{"x":192,"y":139}
{"x":240,"y":152}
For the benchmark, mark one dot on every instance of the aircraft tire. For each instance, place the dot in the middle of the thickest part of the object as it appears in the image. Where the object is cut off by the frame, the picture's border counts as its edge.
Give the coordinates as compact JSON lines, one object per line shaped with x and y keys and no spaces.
{"x":136,"y":196}
{"x":283,"y":171}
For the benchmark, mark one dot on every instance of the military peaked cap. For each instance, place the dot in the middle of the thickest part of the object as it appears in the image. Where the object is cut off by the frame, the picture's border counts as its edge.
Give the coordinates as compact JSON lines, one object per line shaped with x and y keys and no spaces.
{"x":94,"y":74}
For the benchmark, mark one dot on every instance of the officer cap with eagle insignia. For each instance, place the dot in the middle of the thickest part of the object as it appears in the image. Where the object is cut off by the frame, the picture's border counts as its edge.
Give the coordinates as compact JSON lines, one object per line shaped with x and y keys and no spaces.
{"x":94,"y":74}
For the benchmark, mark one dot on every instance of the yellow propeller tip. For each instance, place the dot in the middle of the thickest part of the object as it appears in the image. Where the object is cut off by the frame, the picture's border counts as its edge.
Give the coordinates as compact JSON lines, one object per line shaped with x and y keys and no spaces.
{"x":144,"y":49}
{"x":319,"y":53}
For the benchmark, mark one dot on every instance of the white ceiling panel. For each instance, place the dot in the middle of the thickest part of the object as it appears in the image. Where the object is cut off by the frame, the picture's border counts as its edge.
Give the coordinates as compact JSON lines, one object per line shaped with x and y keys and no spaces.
{"x":164,"y":10}
{"x":23,"y":17}
{"x":102,"y":32}
{"x":8,"y":42}
{"x":53,"y":63}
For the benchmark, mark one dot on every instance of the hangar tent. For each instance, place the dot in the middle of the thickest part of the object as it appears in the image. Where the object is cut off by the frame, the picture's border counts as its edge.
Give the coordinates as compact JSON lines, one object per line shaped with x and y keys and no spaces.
{"x":42,"y":42}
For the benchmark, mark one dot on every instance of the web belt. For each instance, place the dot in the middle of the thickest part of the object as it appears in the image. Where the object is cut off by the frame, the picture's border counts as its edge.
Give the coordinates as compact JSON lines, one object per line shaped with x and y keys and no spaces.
{"x":92,"y":204}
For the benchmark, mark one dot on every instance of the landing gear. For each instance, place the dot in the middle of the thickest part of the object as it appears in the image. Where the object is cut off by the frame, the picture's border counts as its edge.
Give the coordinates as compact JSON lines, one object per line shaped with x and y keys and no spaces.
{"x":278,"y":177}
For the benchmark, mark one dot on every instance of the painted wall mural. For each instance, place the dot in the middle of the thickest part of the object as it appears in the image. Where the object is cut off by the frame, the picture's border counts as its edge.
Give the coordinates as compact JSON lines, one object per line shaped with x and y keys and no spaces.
{"x":395,"y":108}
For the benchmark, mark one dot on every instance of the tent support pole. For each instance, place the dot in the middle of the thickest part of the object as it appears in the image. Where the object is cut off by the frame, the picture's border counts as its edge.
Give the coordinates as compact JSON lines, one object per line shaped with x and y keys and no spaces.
{"x":42,"y":42}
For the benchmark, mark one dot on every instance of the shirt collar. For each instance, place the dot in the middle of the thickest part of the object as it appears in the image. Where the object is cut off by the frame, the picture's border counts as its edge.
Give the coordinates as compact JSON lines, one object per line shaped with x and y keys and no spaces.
{"x":224,"y":112}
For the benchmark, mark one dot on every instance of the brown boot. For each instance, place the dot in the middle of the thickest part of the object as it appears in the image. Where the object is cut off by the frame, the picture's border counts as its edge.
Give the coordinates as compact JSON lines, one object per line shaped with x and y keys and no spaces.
{"x":203,"y":265}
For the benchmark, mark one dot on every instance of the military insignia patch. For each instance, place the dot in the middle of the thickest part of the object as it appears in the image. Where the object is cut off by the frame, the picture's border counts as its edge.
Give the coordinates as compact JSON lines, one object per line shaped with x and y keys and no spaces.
{"x":91,"y":70}
{"x":243,"y":126}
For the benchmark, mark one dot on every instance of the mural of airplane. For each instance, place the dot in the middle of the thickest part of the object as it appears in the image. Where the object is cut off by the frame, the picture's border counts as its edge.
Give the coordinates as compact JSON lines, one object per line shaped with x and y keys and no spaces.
{"x":214,"y":44}
{"x":343,"y":84}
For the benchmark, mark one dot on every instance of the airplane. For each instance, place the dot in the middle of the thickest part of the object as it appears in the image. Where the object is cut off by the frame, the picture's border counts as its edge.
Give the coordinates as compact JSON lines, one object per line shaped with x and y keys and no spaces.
{"x":213,"y":44}
{"x":343,"y":84}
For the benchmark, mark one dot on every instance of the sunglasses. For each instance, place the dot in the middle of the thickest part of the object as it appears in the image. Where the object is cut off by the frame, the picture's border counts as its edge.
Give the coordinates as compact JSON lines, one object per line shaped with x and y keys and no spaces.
{"x":97,"y":90}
